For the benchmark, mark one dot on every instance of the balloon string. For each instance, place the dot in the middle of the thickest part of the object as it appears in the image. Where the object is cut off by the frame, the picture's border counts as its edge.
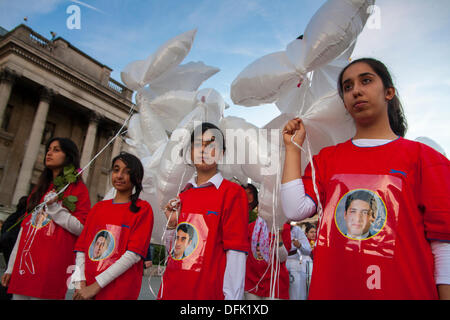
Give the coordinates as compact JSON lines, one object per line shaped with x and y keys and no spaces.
{"x":274,"y":264}
{"x":313,"y":173}
{"x":164,"y":234}
{"x":130,"y":113}
{"x":295,"y":143}
{"x":270,"y":265}
{"x":43,"y":204}
{"x":308,"y":152}
{"x":275,"y":268}
{"x":309,"y":155}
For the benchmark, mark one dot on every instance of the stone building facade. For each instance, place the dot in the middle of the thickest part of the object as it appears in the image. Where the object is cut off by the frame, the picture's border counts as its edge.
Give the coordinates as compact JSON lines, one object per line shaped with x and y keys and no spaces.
{"x":50,"y":88}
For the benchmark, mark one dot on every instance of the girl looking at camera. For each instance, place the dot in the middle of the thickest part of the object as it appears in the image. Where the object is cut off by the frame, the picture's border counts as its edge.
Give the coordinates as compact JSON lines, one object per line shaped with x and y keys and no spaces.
{"x":116,"y":237}
{"x":212,"y":266}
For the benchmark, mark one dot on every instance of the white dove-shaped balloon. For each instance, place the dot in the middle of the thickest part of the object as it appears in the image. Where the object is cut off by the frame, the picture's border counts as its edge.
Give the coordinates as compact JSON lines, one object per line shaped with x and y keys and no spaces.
{"x":169,"y":105}
{"x":301,"y":81}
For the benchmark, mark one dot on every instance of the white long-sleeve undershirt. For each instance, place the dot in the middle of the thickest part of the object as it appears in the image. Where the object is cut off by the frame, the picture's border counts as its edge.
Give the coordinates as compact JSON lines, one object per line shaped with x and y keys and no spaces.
{"x":125,"y":262}
{"x":63,"y":218}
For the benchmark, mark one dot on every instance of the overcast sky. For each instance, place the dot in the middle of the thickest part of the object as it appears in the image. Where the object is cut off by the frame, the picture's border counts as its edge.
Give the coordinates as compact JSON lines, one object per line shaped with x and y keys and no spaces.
{"x":413,"y":39}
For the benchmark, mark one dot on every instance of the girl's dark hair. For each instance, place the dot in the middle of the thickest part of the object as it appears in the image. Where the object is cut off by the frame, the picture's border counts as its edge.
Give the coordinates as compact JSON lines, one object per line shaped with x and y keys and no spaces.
{"x":397,"y":119}
{"x":70,"y":149}
{"x":254,"y":192}
{"x":309,"y":226}
{"x":136,"y":176}
{"x":22,"y":204}
{"x":204,"y":127}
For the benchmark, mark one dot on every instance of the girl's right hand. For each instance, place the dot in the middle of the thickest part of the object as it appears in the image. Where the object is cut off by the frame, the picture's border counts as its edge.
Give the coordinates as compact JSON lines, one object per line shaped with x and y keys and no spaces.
{"x":5,"y":279}
{"x":171,"y":212}
{"x":294,"y":126}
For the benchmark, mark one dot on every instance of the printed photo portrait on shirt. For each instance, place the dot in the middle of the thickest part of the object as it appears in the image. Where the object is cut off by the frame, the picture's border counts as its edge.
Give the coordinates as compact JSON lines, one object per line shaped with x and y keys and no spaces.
{"x":360,"y":214}
{"x":102,"y":245}
{"x":186,"y":240}
{"x":40,"y":219}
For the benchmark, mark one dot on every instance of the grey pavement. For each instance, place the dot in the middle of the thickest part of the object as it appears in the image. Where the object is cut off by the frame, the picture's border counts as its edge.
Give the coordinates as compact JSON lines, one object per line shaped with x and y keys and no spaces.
{"x":145,"y":293}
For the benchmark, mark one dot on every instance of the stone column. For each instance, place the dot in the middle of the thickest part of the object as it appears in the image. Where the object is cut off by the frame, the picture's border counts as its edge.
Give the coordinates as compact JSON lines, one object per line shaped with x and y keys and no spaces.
{"x":89,"y":142}
{"x":32,"y":147}
{"x":7,"y":78}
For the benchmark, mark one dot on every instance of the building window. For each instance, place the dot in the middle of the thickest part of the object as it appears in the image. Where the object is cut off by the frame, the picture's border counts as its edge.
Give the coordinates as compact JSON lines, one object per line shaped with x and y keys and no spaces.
{"x":7,"y":117}
{"x":49,"y":132}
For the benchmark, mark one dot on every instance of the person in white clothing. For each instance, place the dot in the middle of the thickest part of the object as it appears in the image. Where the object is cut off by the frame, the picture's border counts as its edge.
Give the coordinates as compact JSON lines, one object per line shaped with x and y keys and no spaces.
{"x":296,"y":264}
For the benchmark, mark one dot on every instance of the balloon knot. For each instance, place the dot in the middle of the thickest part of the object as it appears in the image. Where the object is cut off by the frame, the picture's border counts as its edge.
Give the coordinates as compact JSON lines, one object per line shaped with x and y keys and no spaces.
{"x":299,"y":84}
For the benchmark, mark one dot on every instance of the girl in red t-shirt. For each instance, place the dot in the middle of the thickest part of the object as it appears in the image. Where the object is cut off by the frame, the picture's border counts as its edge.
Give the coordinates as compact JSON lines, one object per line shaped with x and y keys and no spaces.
{"x":116,"y":236}
{"x":267,"y":277}
{"x":395,"y":246}
{"x":209,"y":229}
{"x":40,"y":261}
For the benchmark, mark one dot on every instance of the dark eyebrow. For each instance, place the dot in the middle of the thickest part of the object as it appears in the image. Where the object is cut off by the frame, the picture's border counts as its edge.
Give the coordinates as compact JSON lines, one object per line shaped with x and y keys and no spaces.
{"x":359,"y":76}
{"x":345,"y":81}
{"x":366,"y":74}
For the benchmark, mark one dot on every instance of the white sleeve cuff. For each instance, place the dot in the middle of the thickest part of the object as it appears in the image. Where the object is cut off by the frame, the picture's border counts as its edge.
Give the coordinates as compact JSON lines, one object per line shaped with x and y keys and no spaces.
{"x":79,"y":274}
{"x":13,"y":255}
{"x":296,"y":205}
{"x":441,"y":252}
{"x":125,"y":262}
{"x":234,"y":278}
{"x":64,"y":218}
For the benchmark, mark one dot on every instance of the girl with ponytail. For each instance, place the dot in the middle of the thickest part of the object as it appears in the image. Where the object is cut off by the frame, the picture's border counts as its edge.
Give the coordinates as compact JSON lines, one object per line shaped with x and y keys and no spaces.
{"x":115,"y":238}
{"x":409,"y":181}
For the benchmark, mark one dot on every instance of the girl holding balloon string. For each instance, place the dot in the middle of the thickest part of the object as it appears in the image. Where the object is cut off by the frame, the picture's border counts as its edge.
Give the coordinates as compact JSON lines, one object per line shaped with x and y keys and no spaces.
{"x":208,"y":223}
{"x":406,"y":255}
{"x":38,"y":265}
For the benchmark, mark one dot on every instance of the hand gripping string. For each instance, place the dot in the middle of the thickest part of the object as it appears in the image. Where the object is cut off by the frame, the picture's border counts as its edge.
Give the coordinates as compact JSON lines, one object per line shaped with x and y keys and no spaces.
{"x":295,"y":143}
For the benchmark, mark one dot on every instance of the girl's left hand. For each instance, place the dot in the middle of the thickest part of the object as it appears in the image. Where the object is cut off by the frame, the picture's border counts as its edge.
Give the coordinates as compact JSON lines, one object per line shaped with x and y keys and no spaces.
{"x":5,"y":279}
{"x":87,"y":293}
{"x":51,"y":197}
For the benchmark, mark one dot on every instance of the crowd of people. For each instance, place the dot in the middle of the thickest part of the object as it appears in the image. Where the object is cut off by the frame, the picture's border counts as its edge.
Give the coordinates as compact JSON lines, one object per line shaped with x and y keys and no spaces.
{"x":382,"y":232}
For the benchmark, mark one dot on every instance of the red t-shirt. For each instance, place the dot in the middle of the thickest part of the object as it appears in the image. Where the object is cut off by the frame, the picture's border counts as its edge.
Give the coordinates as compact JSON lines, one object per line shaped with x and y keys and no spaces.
{"x":409,"y":187}
{"x":258,"y":272}
{"x":211,"y":221}
{"x":45,"y":251}
{"x":110,"y":230}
